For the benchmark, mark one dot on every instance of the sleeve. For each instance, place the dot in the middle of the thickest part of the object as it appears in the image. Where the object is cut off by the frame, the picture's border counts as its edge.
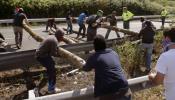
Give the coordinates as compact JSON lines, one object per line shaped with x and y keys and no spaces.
{"x":53,"y":49}
{"x":140,"y":33}
{"x":89,"y":64}
{"x":161,"y":65}
{"x":131,"y":14}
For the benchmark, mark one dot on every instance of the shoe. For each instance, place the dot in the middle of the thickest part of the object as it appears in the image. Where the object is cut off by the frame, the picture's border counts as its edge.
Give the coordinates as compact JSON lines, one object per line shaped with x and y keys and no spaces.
{"x":54,"y":91}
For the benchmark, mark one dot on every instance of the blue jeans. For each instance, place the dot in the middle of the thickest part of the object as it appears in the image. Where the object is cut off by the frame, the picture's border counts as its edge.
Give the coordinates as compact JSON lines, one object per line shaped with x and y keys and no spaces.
{"x":149,"y":49}
{"x":49,"y":64}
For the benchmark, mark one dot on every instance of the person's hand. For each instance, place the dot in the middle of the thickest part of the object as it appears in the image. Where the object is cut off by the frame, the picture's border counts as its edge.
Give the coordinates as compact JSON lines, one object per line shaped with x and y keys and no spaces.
{"x":152,"y":75}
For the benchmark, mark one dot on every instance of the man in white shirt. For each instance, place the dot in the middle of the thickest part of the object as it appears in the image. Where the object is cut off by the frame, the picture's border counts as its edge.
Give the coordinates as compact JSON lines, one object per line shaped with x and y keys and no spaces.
{"x":165,"y":68}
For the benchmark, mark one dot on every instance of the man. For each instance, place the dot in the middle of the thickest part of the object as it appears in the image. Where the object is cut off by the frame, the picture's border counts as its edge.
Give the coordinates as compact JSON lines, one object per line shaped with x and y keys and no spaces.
{"x":113,"y":22}
{"x":93,"y":22}
{"x":110,"y":81}
{"x":127,"y":16}
{"x":165,"y":69}
{"x":51,"y":24}
{"x":147,"y":35}
{"x":47,"y":49}
{"x":69,"y":18}
{"x":18,"y":27}
{"x":143,"y":20}
{"x":164,"y":14}
{"x":81,"y":23}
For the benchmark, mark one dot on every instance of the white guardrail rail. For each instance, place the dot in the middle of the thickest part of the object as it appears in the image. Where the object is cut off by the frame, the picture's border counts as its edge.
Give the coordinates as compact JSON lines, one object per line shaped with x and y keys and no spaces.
{"x":136,"y":84}
{"x":63,"y":19}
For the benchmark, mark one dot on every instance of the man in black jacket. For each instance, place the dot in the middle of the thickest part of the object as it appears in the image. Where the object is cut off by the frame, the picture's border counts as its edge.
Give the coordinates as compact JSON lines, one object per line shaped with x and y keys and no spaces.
{"x":147,"y":35}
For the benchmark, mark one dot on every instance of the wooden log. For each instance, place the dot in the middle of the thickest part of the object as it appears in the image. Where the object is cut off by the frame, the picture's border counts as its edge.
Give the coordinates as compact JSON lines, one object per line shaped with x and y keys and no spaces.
{"x":119,"y":29}
{"x":74,"y":59}
{"x":33,"y":34}
{"x":65,"y":39}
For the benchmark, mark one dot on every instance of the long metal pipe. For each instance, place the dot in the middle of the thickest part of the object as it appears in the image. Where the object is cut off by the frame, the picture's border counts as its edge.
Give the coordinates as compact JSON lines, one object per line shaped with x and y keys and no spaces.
{"x":87,"y":93}
{"x":63,"y":19}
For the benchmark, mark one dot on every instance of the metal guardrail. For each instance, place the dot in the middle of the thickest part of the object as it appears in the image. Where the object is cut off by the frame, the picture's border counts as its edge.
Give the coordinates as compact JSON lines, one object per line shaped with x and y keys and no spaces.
{"x":23,"y":59}
{"x":136,"y":84}
{"x":63,"y":19}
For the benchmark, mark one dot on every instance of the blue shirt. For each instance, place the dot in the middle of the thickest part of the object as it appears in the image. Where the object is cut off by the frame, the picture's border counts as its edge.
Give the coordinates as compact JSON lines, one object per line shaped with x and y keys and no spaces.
{"x":81,"y":18}
{"x":109,"y":77}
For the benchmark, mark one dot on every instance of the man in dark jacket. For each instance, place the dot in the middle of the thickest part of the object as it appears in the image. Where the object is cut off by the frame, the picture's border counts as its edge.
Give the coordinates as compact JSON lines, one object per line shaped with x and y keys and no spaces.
{"x":93,"y":22}
{"x":147,"y":35}
{"x":110,"y":81}
{"x":113,"y":22}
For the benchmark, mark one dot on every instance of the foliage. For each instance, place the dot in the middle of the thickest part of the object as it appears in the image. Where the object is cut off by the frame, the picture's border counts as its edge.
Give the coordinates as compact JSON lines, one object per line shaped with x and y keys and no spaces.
{"x":58,"y":8}
{"x":132,"y":57}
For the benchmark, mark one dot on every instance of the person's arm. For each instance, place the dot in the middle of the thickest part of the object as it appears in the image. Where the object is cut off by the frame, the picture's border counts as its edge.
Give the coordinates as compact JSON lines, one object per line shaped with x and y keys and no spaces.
{"x":140,"y":33}
{"x":157,"y":79}
{"x":89,"y":64}
{"x":161,"y":71}
{"x":53,"y":49}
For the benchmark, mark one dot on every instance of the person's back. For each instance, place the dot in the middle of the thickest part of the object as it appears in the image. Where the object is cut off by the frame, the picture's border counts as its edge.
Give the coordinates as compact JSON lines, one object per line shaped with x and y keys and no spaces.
{"x":110,"y":81}
{"x":18,"y":20}
{"x":147,"y":34}
{"x":48,"y":47}
{"x":81,"y":18}
{"x":91,"y":19}
{"x":109,"y":77}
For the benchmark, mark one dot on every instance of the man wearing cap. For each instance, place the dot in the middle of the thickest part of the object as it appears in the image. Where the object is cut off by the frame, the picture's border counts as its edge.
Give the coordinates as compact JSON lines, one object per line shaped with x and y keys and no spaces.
{"x":127,"y":16}
{"x":47,"y":49}
{"x":18,"y":27}
{"x":113,"y":22}
{"x":93,"y":22}
{"x":147,"y":35}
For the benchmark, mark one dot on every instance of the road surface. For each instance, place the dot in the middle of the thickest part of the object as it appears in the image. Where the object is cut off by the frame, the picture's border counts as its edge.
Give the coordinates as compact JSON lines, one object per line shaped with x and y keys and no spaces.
{"x":30,"y":43}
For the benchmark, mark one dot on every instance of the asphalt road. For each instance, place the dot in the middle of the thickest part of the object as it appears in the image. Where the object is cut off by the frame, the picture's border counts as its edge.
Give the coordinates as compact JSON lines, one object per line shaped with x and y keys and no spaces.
{"x":30,"y":43}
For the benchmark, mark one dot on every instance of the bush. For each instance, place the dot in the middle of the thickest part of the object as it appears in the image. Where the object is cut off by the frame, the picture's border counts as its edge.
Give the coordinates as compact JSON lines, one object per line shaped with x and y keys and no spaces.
{"x":58,"y":8}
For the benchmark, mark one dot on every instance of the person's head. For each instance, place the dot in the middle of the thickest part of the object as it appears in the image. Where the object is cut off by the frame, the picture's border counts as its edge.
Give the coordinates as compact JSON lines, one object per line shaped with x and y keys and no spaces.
{"x":114,"y":13}
{"x":99,"y":43}
{"x":125,"y":9}
{"x":170,"y":34}
{"x":148,"y":23}
{"x":21,"y":10}
{"x":100,"y":13}
{"x":142,"y":19}
{"x":59,"y":34}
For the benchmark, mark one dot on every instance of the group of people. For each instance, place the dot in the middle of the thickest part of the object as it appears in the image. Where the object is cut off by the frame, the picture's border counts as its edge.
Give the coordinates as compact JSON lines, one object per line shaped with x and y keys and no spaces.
{"x":94,"y":22}
{"x":110,"y":81}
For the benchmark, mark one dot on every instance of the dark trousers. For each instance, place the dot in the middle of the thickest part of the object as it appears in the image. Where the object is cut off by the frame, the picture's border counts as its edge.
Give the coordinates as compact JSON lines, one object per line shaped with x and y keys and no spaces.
{"x":126,"y":24}
{"x":81,"y":27}
{"x":69,"y":26}
{"x":163,"y":20}
{"x":123,"y":94}
{"x":49,"y":64}
{"x":107,"y":34}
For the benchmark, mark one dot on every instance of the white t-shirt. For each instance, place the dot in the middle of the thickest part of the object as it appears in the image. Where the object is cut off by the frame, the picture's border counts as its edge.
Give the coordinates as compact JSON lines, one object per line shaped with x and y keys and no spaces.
{"x":166,"y":66}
